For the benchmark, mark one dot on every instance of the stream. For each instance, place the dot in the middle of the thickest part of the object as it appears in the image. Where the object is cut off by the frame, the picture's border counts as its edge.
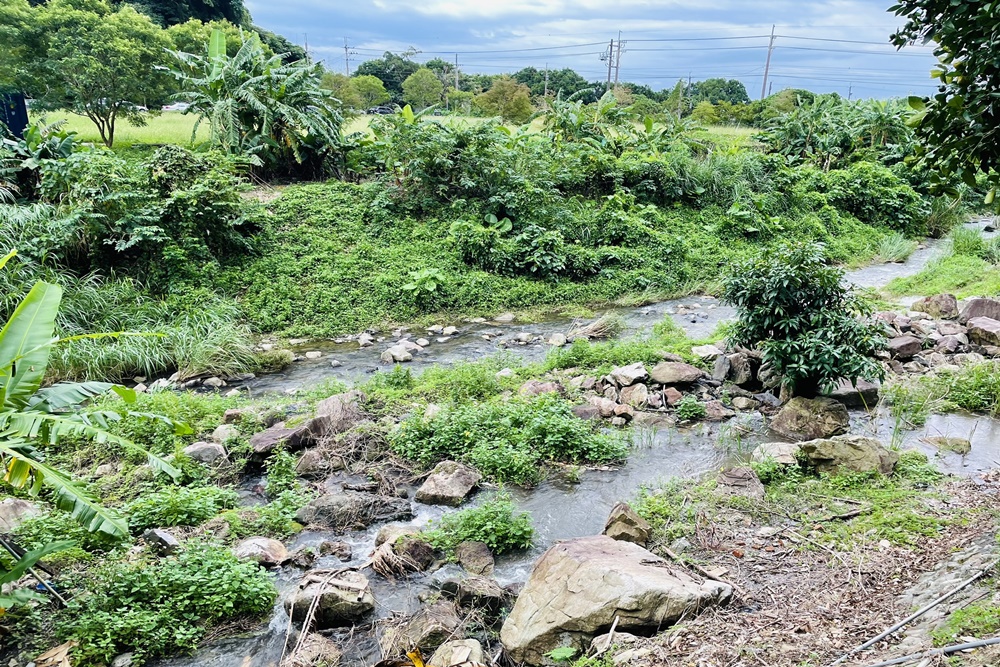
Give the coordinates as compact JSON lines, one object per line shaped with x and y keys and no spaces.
{"x":559,"y":509}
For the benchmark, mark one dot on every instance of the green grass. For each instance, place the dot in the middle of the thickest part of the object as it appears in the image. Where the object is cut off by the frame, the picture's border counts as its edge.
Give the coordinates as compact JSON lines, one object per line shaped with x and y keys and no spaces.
{"x":170,"y":127}
{"x":973,"y":388}
{"x":494,"y":522}
{"x":895,"y":248}
{"x":968,"y":269}
{"x":898,"y":507}
{"x":979,"y":619}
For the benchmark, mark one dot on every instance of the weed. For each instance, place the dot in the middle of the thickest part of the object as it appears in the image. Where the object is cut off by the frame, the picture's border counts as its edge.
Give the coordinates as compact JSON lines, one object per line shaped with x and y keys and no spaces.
{"x":895,"y":248}
{"x":178,"y":506}
{"x":495,"y":522}
{"x":979,"y":619}
{"x":690,"y":408}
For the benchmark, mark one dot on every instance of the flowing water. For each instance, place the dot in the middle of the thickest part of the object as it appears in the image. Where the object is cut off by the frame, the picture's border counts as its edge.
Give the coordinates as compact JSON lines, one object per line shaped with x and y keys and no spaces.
{"x":559,"y":509}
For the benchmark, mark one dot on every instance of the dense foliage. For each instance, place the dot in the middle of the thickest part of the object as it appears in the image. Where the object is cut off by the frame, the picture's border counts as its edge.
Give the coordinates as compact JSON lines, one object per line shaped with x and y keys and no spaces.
{"x":959,"y":124}
{"x":811,"y":327}
{"x":496,"y":522}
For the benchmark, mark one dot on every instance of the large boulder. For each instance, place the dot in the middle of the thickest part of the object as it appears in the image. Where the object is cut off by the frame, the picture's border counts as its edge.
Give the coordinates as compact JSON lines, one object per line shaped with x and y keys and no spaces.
{"x":626,"y":525}
{"x":984,"y":330}
{"x":785,"y":453}
{"x":351,"y":510}
{"x":448,"y":484}
{"x":811,"y":418}
{"x":343,"y":600}
{"x":981,"y":307}
{"x":264,"y":550}
{"x":672,"y":372}
{"x":864,"y":394}
{"x":849,"y":453}
{"x":580,"y":586}
{"x":629,"y":375}
{"x":475,"y":557}
{"x":939,"y":306}
{"x":480,"y":593}
{"x":14,"y":512}
{"x":338,"y":414}
{"x":290,"y":438}
{"x":637,"y":395}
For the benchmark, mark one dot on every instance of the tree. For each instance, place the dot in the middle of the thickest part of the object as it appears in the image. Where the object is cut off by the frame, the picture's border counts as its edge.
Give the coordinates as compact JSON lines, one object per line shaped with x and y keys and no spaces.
{"x":192,"y":36}
{"x":960,"y":125}
{"x":392,"y":70}
{"x":342,"y":87}
{"x":718,"y":90}
{"x":371,"y":90}
{"x":704,"y":112}
{"x":812,"y":329}
{"x":508,"y":99}
{"x":259,"y":105}
{"x":99,"y":63}
{"x":562,"y":81}
{"x":172,"y":12}
{"x":422,"y":89}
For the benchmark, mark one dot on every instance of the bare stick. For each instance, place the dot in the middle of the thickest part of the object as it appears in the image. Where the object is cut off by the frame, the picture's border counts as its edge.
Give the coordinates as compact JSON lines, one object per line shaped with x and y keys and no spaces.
{"x":958,"y":648}
{"x":917,"y":614}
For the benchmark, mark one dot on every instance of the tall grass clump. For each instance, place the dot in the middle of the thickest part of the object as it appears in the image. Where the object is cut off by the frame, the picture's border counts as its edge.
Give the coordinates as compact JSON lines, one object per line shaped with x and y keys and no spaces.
{"x":945,"y":215}
{"x":895,"y":248}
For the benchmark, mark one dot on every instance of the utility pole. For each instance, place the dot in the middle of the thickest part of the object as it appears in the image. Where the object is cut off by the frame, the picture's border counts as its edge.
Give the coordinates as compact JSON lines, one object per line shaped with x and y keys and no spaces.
{"x":456,"y":71}
{"x":767,"y":65}
{"x":611,"y":61}
{"x":347,"y":58}
{"x":306,"y":36}
{"x":546,"y":93}
{"x":850,"y":90}
{"x":618,"y":59}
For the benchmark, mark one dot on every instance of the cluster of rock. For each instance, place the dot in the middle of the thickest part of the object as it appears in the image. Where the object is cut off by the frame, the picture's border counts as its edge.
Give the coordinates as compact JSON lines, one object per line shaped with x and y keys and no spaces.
{"x":937,"y":333}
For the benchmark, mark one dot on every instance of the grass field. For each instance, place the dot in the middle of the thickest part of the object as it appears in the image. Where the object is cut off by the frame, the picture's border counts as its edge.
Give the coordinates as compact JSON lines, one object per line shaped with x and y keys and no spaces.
{"x":170,"y":127}
{"x":174,"y":127}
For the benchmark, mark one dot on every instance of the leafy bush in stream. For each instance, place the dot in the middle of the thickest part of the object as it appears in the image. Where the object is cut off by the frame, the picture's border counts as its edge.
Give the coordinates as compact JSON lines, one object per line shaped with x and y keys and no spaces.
{"x":495,"y":522}
{"x":158,"y":607}
{"x":178,"y":506}
{"x":506,"y":441}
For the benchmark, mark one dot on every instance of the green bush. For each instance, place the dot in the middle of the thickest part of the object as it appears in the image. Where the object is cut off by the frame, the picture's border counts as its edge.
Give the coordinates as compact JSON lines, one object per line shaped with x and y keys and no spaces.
{"x":495,"y":523}
{"x":690,"y":408}
{"x":159,"y":607}
{"x":812,"y":329}
{"x":178,"y":506}
{"x":506,"y":441}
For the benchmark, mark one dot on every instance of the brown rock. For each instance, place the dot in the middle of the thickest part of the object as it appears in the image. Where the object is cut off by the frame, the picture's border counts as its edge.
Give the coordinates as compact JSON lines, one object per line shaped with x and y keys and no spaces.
{"x":904,"y":347}
{"x":537,"y":388}
{"x":981,"y":307}
{"x":448,"y":484}
{"x":672,"y":396}
{"x":939,"y":306}
{"x":475,"y":557}
{"x":984,"y":331}
{"x":635,"y":395}
{"x":809,"y":419}
{"x":849,"y":453}
{"x":672,"y":372}
{"x":626,"y":525}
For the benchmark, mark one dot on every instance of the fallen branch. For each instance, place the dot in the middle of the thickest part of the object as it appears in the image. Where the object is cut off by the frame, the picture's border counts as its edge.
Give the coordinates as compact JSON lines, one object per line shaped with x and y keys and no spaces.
{"x":920,"y":612}
{"x":948,"y":650}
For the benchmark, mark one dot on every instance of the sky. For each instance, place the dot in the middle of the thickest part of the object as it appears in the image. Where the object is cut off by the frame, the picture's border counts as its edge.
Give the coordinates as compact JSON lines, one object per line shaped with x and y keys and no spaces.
{"x":821,"y":45}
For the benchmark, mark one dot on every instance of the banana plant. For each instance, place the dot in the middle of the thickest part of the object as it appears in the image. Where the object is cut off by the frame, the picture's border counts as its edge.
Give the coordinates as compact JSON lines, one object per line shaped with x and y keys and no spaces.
{"x":32,"y":415}
{"x":18,"y":569}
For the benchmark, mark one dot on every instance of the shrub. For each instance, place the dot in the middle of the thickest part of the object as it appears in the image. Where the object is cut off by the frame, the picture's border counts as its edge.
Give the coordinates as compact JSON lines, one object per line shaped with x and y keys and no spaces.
{"x":495,"y":523}
{"x":506,"y":441}
{"x":690,"y":408}
{"x":157,"y":607}
{"x":178,"y":506}
{"x":813,"y":330}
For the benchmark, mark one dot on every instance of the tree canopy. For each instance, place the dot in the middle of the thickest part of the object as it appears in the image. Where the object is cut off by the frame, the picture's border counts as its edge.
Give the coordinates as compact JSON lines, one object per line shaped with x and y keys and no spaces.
{"x":371,"y":90}
{"x":719,"y":90}
{"x":172,"y":12}
{"x":960,"y":124}
{"x":392,"y":70}
{"x":422,"y":88}
{"x":508,"y":99}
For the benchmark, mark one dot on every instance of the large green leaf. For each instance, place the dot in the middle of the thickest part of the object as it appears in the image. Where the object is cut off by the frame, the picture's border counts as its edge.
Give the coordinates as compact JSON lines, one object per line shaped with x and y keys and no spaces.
{"x":28,"y":560}
{"x":25,"y":342}
{"x":67,"y":496}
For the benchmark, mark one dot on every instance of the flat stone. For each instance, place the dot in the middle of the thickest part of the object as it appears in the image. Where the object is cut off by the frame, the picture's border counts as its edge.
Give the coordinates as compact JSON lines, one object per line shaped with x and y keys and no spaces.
{"x":984,"y":330}
{"x":504,"y":317}
{"x":958,"y":445}
{"x":314,"y":354}
{"x":706,"y":352}
{"x":15,"y":511}
{"x":458,"y":652}
{"x":315,"y":464}
{"x":809,"y":419}
{"x":672,"y":396}
{"x":629,"y":375}
{"x":853,"y":453}
{"x":605,"y":406}
{"x":740,"y":481}
{"x":744,"y":403}
{"x":715,"y":411}
{"x":980,"y":307}
{"x":557,"y":339}
{"x":396,"y":354}
{"x":428,"y":629}
{"x":864,"y":395}
{"x":537,"y":388}
{"x":224,"y":433}
{"x":784,"y":453}
{"x":448,"y":484}
{"x":587,"y":412}
{"x":950,"y":328}
{"x":672,"y":372}
{"x":626,"y":412}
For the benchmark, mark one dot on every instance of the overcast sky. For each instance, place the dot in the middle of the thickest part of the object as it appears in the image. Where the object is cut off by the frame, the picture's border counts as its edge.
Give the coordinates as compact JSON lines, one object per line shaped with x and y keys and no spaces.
{"x":664,"y":39}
